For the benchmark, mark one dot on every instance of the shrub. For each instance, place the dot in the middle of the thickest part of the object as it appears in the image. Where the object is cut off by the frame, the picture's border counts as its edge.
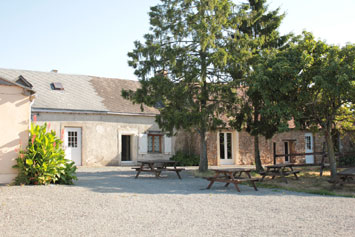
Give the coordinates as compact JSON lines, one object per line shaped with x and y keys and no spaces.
{"x":184,"y":159}
{"x":347,"y":160}
{"x":43,"y":161}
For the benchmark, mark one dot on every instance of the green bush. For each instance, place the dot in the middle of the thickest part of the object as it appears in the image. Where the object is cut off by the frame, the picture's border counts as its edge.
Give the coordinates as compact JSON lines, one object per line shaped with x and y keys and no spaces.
{"x":347,"y":160}
{"x":184,"y":159}
{"x":43,"y":161}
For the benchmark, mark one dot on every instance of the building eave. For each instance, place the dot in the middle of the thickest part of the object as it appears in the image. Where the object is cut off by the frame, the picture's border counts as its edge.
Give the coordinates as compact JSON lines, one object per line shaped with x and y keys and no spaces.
{"x":70,"y":111}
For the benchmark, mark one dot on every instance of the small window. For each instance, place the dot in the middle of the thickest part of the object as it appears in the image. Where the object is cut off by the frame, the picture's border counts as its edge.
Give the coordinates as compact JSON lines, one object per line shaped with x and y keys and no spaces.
{"x":154,"y":143}
{"x":72,"y":139}
{"x":308,"y":142}
{"x":57,"y":86}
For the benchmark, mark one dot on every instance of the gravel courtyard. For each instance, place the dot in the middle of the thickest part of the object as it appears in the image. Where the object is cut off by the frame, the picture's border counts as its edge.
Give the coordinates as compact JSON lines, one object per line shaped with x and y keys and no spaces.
{"x":110,"y":202}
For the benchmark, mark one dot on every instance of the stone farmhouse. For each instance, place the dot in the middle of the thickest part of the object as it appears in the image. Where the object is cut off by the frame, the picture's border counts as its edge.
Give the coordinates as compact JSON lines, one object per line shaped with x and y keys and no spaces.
{"x":97,"y":125}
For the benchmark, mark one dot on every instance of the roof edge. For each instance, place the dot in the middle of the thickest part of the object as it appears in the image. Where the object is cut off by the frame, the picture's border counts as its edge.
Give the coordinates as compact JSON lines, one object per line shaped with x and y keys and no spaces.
{"x":69,"y":111}
{"x":17,"y":84}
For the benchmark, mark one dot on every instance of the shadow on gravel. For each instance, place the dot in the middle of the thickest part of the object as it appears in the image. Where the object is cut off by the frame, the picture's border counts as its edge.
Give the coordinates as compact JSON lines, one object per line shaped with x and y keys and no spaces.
{"x":125,"y":182}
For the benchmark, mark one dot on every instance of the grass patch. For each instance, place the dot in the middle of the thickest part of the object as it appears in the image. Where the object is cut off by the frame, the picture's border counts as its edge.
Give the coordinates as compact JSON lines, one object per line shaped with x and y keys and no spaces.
{"x":309,"y":182}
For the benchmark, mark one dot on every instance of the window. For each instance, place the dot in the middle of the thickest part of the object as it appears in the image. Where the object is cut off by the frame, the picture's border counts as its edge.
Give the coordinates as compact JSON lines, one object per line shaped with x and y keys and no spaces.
{"x":57,"y":86}
{"x":154,"y":143}
{"x":72,"y":139}
{"x":225,"y":145}
{"x":308,"y":142}
{"x":287,"y":158}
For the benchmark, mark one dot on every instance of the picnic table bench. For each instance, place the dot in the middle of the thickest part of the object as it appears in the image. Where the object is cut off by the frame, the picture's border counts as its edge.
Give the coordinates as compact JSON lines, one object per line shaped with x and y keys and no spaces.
{"x":346,"y":176}
{"x":157,"y":166}
{"x":281,"y":170}
{"x":233,"y":176}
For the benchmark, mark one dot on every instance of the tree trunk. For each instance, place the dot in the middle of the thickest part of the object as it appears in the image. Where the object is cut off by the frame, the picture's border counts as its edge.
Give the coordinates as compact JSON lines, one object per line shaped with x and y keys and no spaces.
{"x":331,"y":154}
{"x":203,"y":167}
{"x":258,"y":165}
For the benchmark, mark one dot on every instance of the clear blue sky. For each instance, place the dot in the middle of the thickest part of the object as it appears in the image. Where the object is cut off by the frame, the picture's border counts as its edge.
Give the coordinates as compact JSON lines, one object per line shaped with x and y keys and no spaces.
{"x":92,"y":37}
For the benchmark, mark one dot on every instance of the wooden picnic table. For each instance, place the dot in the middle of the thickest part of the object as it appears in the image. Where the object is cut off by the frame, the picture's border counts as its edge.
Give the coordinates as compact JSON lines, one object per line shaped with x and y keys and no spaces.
{"x":281,"y":170}
{"x":157,"y":166}
{"x":234,"y":176}
{"x":346,"y":176}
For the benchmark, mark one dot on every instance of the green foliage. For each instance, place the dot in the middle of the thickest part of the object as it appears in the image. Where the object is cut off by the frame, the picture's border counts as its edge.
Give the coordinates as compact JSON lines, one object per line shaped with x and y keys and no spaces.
{"x":347,"y":160}
{"x":182,"y":64}
{"x":317,"y":83}
{"x":43,"y":160}
{"x":184,"y":159}
{"x":256,"y":37}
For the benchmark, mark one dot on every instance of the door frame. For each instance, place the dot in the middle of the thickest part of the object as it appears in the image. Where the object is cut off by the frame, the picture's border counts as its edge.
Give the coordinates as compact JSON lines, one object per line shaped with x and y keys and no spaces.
{"x":309,"y":159}
{"x":131,"y":137}
{"x":287,"y":158}
{"x":223,"y":161}
{"x":79,"y":143}
{"x":134,"y":146}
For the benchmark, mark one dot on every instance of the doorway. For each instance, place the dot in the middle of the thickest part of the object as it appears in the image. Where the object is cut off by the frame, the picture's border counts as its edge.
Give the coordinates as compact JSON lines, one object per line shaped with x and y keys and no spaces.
{"x":309,"y":148}
{"x":287,"y":151}
{"x":72,"y":143}
{"x":225,"y":148}
{"x":126,"y":148}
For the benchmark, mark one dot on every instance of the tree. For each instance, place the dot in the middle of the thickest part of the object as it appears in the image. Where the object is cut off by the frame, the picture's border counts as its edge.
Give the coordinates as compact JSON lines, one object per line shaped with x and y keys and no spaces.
{"x":256,"y":36}
{"x":318,"y":84}
{"x":181,"y":65}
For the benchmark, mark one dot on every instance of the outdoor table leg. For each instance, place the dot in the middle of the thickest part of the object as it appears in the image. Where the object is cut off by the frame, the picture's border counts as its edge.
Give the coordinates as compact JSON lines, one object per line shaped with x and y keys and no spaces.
{"x":227,"y":177}
{"x":156,"y":172}
{"x":282,"y":175}
{"x":139,"y":171}
{"x":213,"y":180}
{"x":230,"y":176}
{"x":264,"y":174}
{"x":235,"y":184}
{"x":252,"y":182}
{"x":177,"y":172}
{"x":293,"y":172}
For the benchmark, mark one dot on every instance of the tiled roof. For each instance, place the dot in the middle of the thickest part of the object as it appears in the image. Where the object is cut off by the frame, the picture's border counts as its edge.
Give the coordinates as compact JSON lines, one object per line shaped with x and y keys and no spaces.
{"x":81,"y":93}
{"x":110,"y":90}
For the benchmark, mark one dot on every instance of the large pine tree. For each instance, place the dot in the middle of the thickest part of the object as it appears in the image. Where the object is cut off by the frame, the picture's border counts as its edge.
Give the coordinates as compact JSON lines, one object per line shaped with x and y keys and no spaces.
{"x":256,"y":35}
{"x":181,"y":65}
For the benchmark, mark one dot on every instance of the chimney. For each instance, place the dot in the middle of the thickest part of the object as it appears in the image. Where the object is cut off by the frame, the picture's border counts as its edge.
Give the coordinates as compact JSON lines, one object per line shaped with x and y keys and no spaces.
{"x":54,"y":70}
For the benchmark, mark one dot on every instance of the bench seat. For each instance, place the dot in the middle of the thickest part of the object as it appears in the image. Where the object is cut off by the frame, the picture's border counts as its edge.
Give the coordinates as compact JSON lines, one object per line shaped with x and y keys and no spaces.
{"x":177,"y":169}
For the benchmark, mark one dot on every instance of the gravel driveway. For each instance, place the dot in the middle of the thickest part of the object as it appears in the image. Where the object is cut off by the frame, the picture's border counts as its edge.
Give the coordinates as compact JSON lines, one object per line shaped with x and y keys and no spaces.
{"x":110,"y":202}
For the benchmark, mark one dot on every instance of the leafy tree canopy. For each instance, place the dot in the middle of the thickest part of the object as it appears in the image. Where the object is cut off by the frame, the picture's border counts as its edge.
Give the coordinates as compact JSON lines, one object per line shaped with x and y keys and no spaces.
{"x":315,"y":82}
{"x":256,"y":36}
{"x":182,"y":64}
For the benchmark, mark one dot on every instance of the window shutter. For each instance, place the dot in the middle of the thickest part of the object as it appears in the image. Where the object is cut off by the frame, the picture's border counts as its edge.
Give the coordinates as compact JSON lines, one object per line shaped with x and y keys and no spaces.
{"x":167,"y":144}
{"x":143,"y":144}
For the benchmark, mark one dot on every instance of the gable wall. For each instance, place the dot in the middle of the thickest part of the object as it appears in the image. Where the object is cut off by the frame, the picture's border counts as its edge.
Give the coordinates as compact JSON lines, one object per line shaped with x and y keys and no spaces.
{"x":15,"y":114}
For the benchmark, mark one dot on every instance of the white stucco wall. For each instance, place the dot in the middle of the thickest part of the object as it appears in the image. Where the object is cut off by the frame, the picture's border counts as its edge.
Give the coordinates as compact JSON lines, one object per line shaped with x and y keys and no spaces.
{"x":14,"y":123}
{"x":101,"y":135}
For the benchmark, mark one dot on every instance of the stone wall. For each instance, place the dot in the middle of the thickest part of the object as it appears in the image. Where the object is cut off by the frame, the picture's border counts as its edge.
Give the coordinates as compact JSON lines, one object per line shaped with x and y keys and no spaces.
{"x":244,"y":144}
{"x":101,"y":135}
{"x":296,"y":139}
{"x":187,"y":142}
{"x":212,"y":155}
